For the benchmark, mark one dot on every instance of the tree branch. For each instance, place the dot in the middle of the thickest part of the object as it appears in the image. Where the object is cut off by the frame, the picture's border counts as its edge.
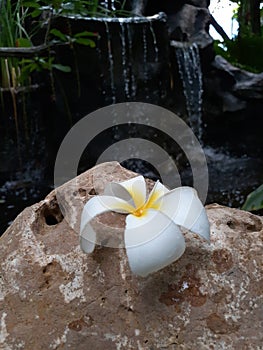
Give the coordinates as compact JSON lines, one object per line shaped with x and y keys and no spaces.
{"x":23,"y":51}
{"x":218,"y":28}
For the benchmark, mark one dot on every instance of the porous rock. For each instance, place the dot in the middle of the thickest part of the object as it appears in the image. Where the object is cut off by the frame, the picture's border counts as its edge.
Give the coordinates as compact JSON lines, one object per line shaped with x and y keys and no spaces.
{"x":52,"y":296}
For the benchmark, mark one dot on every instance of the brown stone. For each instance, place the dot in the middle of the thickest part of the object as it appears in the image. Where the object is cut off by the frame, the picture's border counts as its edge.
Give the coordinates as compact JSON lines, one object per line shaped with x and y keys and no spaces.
{"x":219,"y":325}
{"x":222,"y":259}
{"x":52,"y":296}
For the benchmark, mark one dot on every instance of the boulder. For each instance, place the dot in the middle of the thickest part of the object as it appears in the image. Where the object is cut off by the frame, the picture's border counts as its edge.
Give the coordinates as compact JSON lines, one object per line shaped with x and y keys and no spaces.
{"x":232,"y":107}
{"x":52,"y":296}
{"x":191,"y":24}
{"x":219,"y":91}
{"x":247,"y":85}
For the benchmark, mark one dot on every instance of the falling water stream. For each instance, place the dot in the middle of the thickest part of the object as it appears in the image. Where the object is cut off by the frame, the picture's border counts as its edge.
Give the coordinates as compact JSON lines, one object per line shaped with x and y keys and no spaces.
{"x":138,"y":52}
{"x":188,"y":60}
{"x":133,"y":86}
{"x":155,"y":44}
{"x":111,"y":63}
{"x":137,"y":7}
{"x":124,"y":60}
{"x":109,"y":5}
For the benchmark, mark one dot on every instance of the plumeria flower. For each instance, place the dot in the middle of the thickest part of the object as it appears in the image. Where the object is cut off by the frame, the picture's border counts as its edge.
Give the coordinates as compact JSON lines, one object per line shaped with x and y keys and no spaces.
{"x":152,"y":236}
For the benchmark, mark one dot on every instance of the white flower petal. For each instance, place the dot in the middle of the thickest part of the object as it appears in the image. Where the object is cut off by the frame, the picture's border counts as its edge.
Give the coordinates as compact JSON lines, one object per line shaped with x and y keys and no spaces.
{"x":152,"y":242}
{"x":157,"y":192}
{"x":184,"y":207}
{"x":95,"y":206}
{"x":132,"y":191}
{"x":87,"y":239}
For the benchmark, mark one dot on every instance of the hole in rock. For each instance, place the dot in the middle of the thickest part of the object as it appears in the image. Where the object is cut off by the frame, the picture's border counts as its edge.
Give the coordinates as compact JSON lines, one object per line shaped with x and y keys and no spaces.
{"x":82,"y":192}
{"x":52,"y":214}
{"x":92,"y":192}
{"x":51,"y":220}
{"x":231,"y":224}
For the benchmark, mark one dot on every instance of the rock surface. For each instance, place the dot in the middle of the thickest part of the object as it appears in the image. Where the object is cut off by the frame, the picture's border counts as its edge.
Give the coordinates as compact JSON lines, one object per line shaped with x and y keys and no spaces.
{"x":246,"y":84}
{"x":232,"y":107}
{"x":52,"y":296}
{"x":188,"y":20}
{"x":191,"y":24}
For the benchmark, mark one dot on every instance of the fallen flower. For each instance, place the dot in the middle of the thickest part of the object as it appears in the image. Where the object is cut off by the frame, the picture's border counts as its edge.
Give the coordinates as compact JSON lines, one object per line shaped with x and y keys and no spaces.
{"x":152,"y":236}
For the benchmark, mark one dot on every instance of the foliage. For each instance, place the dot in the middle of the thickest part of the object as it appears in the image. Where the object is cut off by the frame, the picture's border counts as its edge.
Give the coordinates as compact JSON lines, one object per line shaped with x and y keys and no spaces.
{"x":245,"y":52}
{"x":20,"y":21}
{"x":254,"y":200}
{"x":90,"y":8}
{"x":82,"y":38}
{"x":39,"y":64}
{"x":246,"y":49}
{"x":12,"y":34}
{"x":16,"y":71}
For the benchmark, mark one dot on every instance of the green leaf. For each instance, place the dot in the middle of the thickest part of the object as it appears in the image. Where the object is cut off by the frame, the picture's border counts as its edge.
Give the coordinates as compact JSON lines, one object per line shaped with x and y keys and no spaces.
{"x":84,"y":34}
{"x":31,"y":4}
{"x":254,"y":200}
{"x":58,"y":34}
{"x":65,"y":69}
{"x":35,"y":13}
{"x":86,"y":42}
{"x":27,"y":60}
{"x":23,"y":42}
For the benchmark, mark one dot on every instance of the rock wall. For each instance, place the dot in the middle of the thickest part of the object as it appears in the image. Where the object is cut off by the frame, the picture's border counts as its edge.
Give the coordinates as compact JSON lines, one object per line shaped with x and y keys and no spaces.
{"x":52,"y":296}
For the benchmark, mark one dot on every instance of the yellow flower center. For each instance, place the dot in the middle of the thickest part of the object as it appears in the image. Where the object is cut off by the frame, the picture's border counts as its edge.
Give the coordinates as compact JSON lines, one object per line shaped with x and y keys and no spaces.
{"x":139,"y":212}
{"x":149,"y":204}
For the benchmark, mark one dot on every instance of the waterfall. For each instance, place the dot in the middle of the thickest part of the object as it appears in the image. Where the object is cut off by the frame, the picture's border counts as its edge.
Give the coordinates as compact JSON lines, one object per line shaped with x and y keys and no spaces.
{"x":188,"y":60}
{"x":138,"y":7}
{"x":130,"y":57}
{"x":132,"y":76}
{"x":156,"y":50}
{"x":144,"y":64}
{"x":113,"y":7}
{"x":109,"y":5}
{"x":111,"y":63}
{"x":124,"y":60}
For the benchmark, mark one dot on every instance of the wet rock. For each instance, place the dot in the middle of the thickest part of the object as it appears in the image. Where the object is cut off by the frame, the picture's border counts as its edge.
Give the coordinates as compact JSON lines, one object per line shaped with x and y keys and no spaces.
{"x":187,"y":20}
{"x":219,"y":91}
{"x":52,"y":296}
{"x":191,"y":24}
{"x":246,"y":85}
{"x":199,"y":3}
{"x":232,"y":106}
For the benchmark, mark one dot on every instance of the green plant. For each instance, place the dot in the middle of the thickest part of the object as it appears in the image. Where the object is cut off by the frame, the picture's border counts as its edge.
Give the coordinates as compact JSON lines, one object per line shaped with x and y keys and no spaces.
{"x":90,"y":8}
{"x":14,"y":19}
{"x":82,"y":38}
{"x":12,"y":34}
{"x":254,"y":200}
{"x":244,"y":52}
{"x":246,"y":49}
{"x":60,"y":7}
